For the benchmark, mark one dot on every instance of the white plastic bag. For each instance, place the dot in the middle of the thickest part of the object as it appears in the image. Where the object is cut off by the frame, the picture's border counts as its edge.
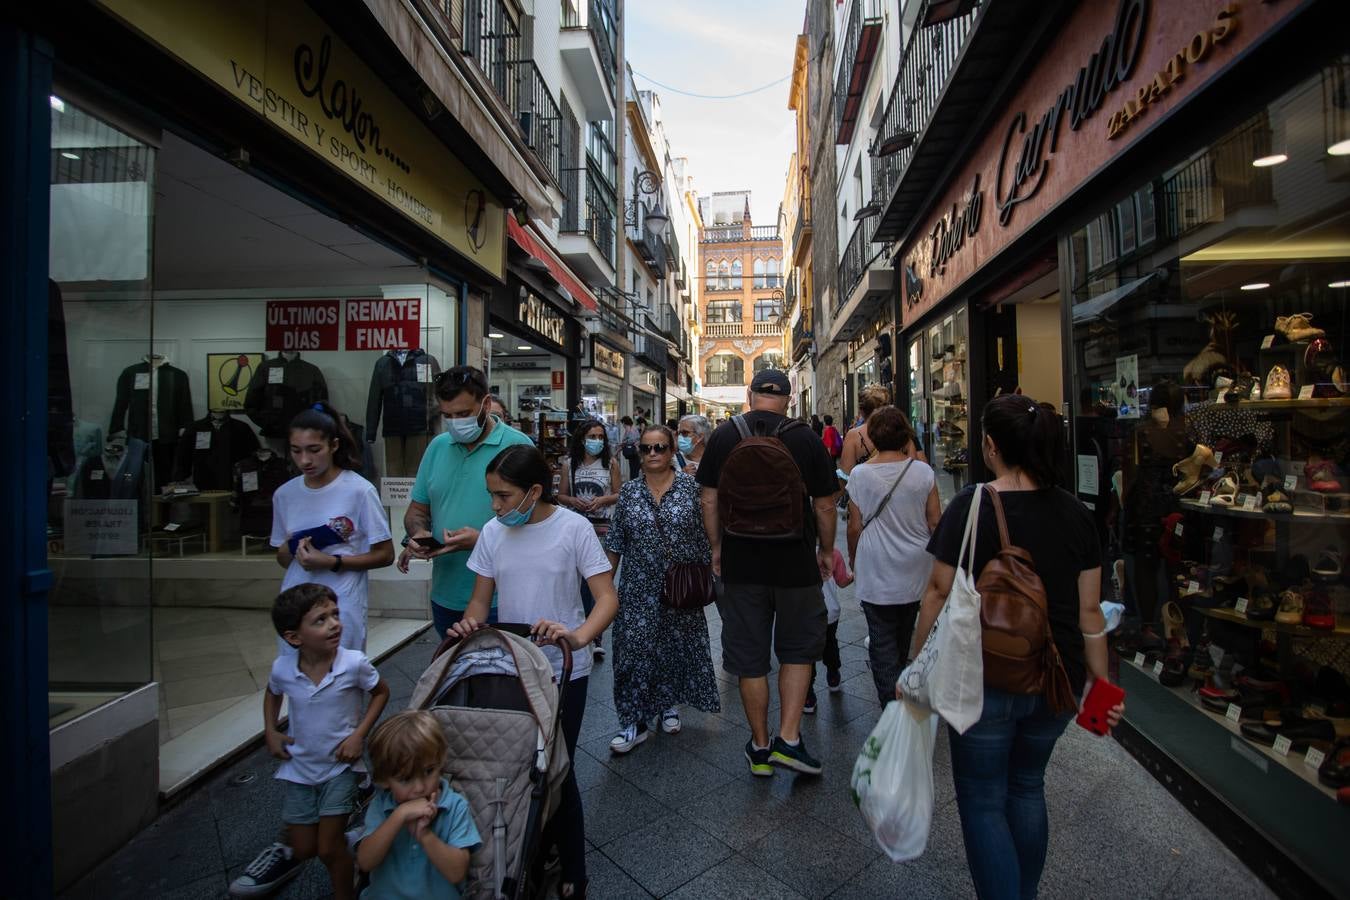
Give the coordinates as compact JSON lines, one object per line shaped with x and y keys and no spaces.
{"x":893,"y":780}
{"x":947,"y":676}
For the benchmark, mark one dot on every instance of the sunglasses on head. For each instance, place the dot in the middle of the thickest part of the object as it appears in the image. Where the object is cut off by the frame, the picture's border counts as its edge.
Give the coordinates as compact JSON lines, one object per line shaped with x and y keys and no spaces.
{"x":653,"y":448}
{"x":459,"y":377}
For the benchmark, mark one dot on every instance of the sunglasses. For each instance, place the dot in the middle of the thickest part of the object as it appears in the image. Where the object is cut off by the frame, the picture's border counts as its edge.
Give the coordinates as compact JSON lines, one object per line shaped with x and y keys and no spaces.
{"x":458,"y":377}
{"x":653,"y":448}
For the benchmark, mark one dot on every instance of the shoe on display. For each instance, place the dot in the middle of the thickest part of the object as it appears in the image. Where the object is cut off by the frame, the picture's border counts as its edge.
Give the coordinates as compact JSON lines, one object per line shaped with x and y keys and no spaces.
{"x":758,"y":758}
{"x":1318,"y":610}
{"x":794,"y":757}
{"x":1322,"y":477}
{"x":269,"y":870}
{"x":1274,"y":499}
{"x":1261,"y":608}
{"x":1277,"y":384}
{"x":833,"y":681}
{"x":1255,"y":392}
{"x":810,"y":708}
{"x":1174,"y":669}
{"x":1240,"y":389}
{"x":1202,"y":662}
{"x":1190,"y":470}
{"x":1335,"y":769}
{"x":1328,"y":564}
{"x":1297,"y":327}
{"x":627,"y":739}
{"x":1173,"y":622}
{"x":670,"y":720}
{"x":1297,"y":729}
{"x":1291,"y":608}
{"x":1224,"y":491}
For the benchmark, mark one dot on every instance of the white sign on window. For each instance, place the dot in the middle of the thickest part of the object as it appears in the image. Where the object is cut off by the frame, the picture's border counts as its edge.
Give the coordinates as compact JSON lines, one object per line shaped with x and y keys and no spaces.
{"x":101,"y":527}
{"x":396,"y":491}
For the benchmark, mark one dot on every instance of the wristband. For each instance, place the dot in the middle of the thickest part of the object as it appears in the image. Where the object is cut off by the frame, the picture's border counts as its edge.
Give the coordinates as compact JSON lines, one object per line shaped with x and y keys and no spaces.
{"x":1099,"y":634}
{"x":337,"y":564}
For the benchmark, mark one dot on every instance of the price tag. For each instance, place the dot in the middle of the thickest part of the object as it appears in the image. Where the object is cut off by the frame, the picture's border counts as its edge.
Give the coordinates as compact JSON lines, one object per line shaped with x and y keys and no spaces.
{"x":1218,"y":535}
{"x":275,"y":375}
{"x":172,"y":526}
{"x":1218,"y":456}
{"x":96,"y":475}
{"x":1234,"y":713}
{"x":1204,"y":498}
{"x":1139,"y":660}
{"x":142,"y":381}
{"x":1305,"y":392}
{"x":1282,"y":745}
{"x":203,"y":440}
{"x":1290,"y":482}
{"x":1267,"y":342}
{"x":1313,"y":758}
{"x":250,"y":481}
{"x":1249,"y":503}
{"x":1179,"y":530}
{"x":1157,"y":668}
{"x":1192,"y":587}
{"x":1241,"y":605}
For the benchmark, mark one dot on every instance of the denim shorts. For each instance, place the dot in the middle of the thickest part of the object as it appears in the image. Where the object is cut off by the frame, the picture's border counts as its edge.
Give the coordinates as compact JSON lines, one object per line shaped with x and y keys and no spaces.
{"x":305,"y":804}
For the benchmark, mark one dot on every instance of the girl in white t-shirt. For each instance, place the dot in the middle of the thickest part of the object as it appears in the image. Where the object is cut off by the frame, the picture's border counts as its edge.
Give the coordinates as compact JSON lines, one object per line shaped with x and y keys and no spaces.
{"x":535,"y":554}
{"x":327,"y":523}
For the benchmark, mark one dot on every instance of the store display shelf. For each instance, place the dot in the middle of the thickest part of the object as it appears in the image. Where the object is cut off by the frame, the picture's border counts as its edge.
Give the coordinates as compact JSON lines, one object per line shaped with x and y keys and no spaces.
{"x":1223,"y":614}
{"x":1302,"y":517}
{"x":1311,"y":403}
{"x":1294,"y":762}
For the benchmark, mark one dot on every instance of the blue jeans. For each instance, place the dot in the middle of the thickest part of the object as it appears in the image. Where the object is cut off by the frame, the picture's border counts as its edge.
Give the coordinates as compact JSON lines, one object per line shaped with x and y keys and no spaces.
{"x":442,"y":617}
{"x":998,"y":767}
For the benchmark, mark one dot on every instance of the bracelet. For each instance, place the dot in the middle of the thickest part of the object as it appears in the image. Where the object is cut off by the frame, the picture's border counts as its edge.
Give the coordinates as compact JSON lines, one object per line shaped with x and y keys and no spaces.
{"x":337,"y":564}
{"x":1099,"y":634}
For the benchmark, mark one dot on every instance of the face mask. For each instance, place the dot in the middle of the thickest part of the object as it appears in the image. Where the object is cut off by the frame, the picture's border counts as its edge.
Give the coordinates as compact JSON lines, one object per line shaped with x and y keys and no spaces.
{"x":516,"y":517}
{"x":685,"y":443}
{"x":464,"y":431}
{"x":594,"y":446}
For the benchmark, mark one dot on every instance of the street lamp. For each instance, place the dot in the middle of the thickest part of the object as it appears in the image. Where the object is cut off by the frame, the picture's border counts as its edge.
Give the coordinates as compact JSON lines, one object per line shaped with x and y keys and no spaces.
{"x":655,"y":220}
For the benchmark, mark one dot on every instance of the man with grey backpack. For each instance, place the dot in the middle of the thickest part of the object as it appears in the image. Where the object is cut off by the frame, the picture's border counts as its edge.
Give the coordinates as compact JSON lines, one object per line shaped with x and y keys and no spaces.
{"x":768,"y":508}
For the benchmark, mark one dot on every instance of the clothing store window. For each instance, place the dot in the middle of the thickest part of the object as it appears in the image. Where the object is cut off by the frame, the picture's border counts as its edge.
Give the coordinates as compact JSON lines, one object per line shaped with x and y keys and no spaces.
{"x":1209,"y":321}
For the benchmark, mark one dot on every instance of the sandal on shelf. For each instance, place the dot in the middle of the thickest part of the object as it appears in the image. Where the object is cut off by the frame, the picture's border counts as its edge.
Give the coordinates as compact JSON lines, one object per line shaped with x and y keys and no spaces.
{"x":1273,"y":496}
{"x":1225,"y":491}
{"x":1192,"y":469}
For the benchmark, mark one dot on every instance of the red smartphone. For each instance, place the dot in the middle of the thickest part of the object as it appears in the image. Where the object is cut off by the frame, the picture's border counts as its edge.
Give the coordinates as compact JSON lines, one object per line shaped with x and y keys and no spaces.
{"x":1100,"y":699}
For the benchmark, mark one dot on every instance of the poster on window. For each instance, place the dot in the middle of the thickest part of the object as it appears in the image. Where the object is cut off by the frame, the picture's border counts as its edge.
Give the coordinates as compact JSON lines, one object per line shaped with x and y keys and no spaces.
{"x":302,"y":324}
{"x":384,"y":324}
{"x":228,"y":376}
{"x":1127,"y":386}
{"x":101,"y":527}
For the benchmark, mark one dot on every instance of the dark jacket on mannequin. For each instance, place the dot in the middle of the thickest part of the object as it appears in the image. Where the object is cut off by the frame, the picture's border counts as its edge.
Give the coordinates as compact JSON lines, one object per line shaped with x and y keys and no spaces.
{"x":173,"y":402}
{"x":96,"y":482}
{"x":255,"y":481}
{"x":409,"y":404}
{"x":270,"y":405}
{"x":211,"y":467}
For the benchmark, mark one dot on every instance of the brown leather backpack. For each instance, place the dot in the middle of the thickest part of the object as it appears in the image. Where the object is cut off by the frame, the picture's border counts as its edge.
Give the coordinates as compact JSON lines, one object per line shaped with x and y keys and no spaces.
{"x":1020,"y":655}
{"x":760,"y":492}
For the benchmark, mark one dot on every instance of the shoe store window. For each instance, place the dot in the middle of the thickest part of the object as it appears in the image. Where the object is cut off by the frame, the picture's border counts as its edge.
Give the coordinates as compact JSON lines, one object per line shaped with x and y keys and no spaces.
{"x":1209,"y":323}
{"x":948,"y":394}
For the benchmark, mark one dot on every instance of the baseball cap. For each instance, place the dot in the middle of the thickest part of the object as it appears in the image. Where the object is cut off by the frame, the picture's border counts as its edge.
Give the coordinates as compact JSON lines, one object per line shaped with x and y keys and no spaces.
{"x":771,"y":381}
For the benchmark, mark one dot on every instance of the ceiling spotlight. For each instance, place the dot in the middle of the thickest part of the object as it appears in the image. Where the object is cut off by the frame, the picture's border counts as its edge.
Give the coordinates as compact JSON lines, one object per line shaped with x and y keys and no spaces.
{"x":1340,"y":148}
{"x":1274,"y":159}
{"x":1256,"y":286}
{"x":69,"y":155}
{"x":1339,"y":284}
{"x":496,"y":335}
{"x":895,"y":143}
{"x":871,"y":209}
{"x":524,"y":347}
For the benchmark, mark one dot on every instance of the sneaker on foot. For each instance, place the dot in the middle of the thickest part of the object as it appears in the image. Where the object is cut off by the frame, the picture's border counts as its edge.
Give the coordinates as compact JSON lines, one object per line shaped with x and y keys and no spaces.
{"x":832,"y":679}
{"x":795,"y":758}
{"x":629,"y":738}
{"x":597,"y":650}
{"x":670,"y":720}
{"x":810,"y":708}
{"x":269,"y":870}
{"x":758,"y":757}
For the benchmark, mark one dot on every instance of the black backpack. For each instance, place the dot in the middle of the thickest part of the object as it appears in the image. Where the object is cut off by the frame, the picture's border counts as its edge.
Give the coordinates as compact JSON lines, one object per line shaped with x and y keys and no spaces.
{"x":760,"y":492}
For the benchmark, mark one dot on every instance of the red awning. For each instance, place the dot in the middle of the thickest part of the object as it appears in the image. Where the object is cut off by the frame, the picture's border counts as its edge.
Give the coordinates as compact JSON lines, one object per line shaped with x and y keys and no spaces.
{"x":540,"y":251}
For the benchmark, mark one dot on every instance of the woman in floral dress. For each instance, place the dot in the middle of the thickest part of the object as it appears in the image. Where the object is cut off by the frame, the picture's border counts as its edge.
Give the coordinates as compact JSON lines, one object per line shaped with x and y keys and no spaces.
{"x":661,"y":655}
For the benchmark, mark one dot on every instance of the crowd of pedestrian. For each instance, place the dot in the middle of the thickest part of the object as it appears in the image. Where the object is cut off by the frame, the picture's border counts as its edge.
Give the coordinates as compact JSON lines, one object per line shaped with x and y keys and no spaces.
{"x":748,"y":514}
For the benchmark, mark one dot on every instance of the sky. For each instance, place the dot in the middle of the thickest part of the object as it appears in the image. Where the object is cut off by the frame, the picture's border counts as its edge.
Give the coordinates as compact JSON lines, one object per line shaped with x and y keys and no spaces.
{"x":722,"y":47}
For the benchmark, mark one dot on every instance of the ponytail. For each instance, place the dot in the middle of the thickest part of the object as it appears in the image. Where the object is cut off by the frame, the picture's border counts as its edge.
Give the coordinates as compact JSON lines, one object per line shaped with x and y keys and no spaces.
{"x":329,"y":422}
{"x":1029,"y":436}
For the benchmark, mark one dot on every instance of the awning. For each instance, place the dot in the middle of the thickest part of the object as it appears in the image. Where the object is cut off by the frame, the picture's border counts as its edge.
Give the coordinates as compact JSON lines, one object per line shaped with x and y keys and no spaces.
{"x":540,"y":251}
{"x":679,"y":393}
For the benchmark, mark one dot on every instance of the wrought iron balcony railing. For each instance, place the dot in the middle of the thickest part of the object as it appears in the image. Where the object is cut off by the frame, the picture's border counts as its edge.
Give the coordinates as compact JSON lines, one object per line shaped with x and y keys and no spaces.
{"x":600,"y":23}
{"x":860,"y":47}
{"x":590,"y":208}
{"x":857,"y":258}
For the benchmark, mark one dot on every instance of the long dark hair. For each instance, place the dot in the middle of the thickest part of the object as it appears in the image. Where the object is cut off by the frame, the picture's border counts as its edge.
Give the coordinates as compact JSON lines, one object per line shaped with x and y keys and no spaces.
{"x":329,"y":422}
{"x":577,"y":451}
{"x":1028,"y":435}
{"x":524,"y":467}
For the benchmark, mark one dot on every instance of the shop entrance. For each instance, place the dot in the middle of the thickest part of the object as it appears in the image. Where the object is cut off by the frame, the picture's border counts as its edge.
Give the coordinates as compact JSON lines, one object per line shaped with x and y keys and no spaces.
{"x":531,"y":383}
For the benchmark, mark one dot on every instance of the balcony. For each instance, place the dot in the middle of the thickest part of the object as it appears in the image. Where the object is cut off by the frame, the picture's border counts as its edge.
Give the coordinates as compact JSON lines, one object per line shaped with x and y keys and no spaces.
{"x":802,"y":337}
{"x":650,"y":247}
{"x":801,"y":229}
{"x":860,"y":48}
{"x":586,"y":239}
{"x":768,"y":329}
{"x":863,"y":285}
{"x":587,"y":42}
{"x":652,"y":349}
{"x":681,"y":276}
{"x":723,"y":329}
{"x":600,"y":151}
{"x":722,"y":234}
{"x":538,"y":115}
{"x":765,"y":233}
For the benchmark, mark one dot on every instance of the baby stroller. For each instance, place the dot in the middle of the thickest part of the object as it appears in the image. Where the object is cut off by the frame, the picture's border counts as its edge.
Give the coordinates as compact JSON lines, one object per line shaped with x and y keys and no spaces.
{"x":494,"y":696}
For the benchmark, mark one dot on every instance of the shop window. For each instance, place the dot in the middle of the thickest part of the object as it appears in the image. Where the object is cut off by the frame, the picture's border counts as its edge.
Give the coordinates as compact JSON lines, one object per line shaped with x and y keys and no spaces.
{"x":724,"y":369}
{"x":771,"y":360}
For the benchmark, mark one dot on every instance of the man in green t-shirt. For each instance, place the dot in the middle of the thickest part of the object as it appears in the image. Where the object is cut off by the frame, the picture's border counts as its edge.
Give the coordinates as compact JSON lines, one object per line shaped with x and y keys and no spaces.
{"x":450,"y":502}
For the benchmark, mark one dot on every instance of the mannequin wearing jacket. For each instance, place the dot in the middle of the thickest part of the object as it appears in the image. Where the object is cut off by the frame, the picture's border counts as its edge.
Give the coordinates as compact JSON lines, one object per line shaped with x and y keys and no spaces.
{"x":401,"y":388}
{"x":256,"y":479}
{"x":280,"y":388}
{"x":210,"y":447}
{"x":154,"y":405}
{"x":115,"y":474}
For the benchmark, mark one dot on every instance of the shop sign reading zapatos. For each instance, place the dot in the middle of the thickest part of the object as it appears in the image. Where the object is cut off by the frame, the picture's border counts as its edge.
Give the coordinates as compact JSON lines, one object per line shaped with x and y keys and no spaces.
{"x":281,"y":60}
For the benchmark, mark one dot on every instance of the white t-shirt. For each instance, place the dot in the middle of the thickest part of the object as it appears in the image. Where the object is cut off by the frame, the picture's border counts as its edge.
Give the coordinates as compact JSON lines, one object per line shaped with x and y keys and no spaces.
{"x":322,"y":715}
{"x":349,"y":505}
{"x":892,"y":564}
{"x":539,"y":569}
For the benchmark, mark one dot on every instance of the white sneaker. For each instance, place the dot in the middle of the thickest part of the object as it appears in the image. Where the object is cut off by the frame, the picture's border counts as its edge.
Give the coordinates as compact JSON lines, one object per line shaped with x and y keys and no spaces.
{"x":670,"y":720}
{"x":627,"y":739}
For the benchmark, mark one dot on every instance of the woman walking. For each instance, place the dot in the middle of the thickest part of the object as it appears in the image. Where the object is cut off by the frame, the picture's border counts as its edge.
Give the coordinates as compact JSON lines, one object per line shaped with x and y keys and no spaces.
{"x":998,"y":765}
{"x":892,"y":510}
{"x":590,"y":486}
{"x":534,"y":555}
{"x":690,"y":440}
{"x":858,"y":444}
{"x":661,"y":655}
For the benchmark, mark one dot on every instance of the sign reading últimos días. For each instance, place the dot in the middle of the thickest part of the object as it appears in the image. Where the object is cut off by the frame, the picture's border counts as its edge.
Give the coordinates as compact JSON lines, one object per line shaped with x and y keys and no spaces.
{"x":284,"y":62}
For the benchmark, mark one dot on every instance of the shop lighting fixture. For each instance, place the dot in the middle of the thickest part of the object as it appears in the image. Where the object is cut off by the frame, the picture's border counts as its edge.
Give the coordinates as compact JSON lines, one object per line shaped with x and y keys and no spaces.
{"x":1339,"y":284}
{"x":1340,"y":148}
{"x":58,"y":104}
{"x":1256,"y":286}
{"x":524,"y":347}
{"x":496,"y":335}
{"x":68,"y":155}
{"x":1274,"y":159}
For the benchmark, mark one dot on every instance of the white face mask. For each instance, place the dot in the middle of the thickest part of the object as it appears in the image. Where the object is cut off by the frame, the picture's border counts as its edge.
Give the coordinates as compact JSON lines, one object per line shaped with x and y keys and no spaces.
{"x":468,"y":430}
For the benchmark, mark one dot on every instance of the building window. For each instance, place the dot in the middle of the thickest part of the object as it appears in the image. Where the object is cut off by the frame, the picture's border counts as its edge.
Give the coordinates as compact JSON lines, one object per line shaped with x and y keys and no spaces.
{"x":767,"y":310}
{"x":710,"y":276}
{"x":770,"y":360}
{"x":759,"y":274}
{"x":735,"y":274}
{"x":723,"y":276}
{"x":725,"y":369}
{"x":772,"y":276}
{"x":724,"y":311}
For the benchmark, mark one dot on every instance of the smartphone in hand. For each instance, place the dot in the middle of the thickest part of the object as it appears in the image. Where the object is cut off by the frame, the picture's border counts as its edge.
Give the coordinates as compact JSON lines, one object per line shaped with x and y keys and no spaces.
{"x":428,"y":543}
{"x":1103,"y":696}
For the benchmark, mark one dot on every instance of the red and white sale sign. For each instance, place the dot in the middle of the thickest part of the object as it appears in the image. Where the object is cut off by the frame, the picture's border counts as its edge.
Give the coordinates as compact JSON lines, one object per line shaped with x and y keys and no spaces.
{"x":382,"y":324}
{"x":302,"y":324}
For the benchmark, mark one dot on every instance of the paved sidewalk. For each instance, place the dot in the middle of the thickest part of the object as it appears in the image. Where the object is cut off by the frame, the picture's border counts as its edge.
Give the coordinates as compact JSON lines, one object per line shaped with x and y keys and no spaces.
{"x":681,"y":816}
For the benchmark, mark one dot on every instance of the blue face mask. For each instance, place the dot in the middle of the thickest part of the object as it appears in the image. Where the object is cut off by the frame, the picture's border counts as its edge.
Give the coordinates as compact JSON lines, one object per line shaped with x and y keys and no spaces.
{"x":465,"y":431}
{"x":685,"y":443}
{"x":516,"y":517}
{"x":594,"y":446}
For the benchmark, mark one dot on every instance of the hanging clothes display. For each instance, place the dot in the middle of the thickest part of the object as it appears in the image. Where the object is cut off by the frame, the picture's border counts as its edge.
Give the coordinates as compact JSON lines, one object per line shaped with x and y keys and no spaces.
{"x":402,"y":388}
{"x":115,"y":474}
{"x":154,"y":404}
{"x":256,"y":479}
{"x":280,"y":388}
{"x":209,"y":448}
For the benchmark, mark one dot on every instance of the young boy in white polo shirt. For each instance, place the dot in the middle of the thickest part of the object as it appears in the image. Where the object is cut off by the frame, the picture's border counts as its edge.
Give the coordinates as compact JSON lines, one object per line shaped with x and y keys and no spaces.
{"x":326,"y":685}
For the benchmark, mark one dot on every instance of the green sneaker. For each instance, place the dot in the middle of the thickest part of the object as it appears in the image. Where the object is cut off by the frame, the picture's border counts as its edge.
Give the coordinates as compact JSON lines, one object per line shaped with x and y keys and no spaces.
{"x":758,"y":759}
{"x":795,"y":758}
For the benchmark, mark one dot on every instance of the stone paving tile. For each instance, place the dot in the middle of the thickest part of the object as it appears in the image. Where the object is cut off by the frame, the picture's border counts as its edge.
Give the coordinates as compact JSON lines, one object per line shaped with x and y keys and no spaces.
{"x":745,"y":810}
{"x":609,"y":882}
{"x":614,"y":807}
{"x":809,"y":856}
{"x":668,"y":772}
{"x":735,"y":879}
{"x":665,"y":854}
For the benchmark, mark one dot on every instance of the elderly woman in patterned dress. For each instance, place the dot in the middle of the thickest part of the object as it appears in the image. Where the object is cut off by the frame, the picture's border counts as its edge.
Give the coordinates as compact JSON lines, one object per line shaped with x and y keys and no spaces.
{"x":661,"y":656}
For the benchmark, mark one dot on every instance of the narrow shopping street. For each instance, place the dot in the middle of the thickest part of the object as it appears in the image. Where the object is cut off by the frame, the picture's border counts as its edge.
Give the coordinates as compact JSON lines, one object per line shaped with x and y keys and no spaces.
{"x":681,"y":817}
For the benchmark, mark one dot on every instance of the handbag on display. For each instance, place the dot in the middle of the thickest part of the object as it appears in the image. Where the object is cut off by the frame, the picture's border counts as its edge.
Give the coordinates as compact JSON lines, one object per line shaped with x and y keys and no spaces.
{"x":947,"y":675}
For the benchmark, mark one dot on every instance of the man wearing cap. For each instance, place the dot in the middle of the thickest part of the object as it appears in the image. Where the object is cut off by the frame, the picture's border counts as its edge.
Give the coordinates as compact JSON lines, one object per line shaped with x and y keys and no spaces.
{"x":771,"y":589}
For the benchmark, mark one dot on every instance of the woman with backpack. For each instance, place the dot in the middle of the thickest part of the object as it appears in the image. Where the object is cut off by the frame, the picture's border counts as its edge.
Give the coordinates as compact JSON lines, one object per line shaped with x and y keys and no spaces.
{"x":834,"y":441}
{"x":589,"y":485}
{"x":998,"y":764}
